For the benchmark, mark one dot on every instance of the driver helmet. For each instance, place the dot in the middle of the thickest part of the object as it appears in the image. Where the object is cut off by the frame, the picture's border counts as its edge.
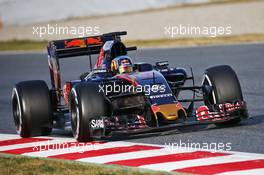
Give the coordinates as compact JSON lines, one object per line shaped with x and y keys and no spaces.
{"x":121,"y":64}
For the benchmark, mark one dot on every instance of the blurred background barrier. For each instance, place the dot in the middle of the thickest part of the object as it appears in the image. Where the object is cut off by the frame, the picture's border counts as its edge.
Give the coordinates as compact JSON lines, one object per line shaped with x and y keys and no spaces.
{"x":30,"y":11}
{"x":143,"y":20}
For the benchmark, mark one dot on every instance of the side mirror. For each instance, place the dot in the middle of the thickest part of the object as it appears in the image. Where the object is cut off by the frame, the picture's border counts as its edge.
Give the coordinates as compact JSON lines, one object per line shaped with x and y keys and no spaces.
{"x":162,"y":65}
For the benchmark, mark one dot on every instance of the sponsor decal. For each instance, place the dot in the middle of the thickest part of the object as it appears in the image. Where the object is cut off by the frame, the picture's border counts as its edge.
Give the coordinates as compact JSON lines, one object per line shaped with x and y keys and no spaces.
{"x":97,"y":123}
{"x":99,"y":71}
{"x":96,"y":40}
{"x":161,"y":96}
{"x":75,"y":43}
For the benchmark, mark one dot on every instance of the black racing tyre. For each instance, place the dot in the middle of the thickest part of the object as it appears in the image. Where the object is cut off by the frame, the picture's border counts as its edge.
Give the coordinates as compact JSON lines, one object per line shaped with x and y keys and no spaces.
{"x":226,"y":87}
{"x":31,"y":107}
{"x":86,"y":102}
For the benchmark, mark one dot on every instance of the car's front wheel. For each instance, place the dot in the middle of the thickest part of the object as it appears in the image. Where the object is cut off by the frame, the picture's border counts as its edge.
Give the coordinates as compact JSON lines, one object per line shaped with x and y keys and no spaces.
{"x":87,"y":104}
{"x":225,"y":88}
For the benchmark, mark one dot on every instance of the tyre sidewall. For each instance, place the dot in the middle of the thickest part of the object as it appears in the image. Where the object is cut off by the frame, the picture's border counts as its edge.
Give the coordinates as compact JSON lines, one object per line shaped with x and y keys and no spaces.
{"x":35,"y":108}
{"x":90,"y":104}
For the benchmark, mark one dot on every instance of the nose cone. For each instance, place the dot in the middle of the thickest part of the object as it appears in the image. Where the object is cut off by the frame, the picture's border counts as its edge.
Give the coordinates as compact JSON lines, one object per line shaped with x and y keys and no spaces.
{"x":169,"y":111}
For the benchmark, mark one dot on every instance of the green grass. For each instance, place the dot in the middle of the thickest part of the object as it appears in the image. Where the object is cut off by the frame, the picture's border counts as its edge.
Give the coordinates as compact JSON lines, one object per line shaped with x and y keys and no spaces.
{"x":248,"y":38}
{"x":22,"y":45}
{"x":15,"y":45}
{"x":20,"y":165}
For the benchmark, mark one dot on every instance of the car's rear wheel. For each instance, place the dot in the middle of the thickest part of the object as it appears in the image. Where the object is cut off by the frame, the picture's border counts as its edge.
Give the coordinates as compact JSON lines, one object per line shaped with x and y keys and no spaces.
{"x":31,"y":107}
{"x":226,"y":88}
{"x":86,"y":103}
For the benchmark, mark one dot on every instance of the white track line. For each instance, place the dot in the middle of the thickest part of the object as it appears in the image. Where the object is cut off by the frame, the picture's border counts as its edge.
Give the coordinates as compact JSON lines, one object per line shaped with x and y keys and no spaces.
{"x":197,"y":162}
{"x":244,"y":154}
{"x":31,"y":144}
{"x":258,"y":171}
{"x":130,"y":155}
{"x":4,"y":137}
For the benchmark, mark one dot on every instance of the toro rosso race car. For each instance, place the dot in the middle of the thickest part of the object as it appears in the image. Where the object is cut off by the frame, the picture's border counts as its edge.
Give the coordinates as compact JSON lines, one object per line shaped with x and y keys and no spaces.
{"x":118,"y":95}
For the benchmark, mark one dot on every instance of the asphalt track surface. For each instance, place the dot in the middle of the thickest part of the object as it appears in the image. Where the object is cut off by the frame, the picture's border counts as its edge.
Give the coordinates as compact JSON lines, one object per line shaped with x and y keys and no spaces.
{"x":246,"y":60}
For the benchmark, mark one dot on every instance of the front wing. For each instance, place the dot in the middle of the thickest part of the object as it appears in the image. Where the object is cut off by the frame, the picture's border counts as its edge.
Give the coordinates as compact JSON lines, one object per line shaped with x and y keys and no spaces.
{"x":203,"y":115}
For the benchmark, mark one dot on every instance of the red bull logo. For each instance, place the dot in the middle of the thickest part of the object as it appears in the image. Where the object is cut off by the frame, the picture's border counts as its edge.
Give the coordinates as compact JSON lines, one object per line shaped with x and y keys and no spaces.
{"x":75,"y":43}
{"x":92,"y":41}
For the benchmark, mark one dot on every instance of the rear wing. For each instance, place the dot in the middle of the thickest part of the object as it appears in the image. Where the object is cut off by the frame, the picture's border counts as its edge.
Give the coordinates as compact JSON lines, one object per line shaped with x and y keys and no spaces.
{"x":82,"y":46}
{"x":59,"y":49}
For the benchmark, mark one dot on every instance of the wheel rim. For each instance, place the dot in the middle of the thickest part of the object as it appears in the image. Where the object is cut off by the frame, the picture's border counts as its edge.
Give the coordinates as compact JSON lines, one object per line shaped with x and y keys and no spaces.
{"x":17,"y":114}
{"x":211,"y":96}
{"x":74,"y":117}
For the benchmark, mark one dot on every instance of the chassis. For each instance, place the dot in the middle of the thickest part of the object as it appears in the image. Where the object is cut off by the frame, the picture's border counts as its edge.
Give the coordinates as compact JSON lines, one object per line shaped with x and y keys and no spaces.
{"x":90,"y":113}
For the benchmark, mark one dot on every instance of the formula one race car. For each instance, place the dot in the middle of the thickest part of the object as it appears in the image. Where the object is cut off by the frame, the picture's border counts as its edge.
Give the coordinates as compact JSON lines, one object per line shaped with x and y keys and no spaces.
{"x":121,"y":96}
